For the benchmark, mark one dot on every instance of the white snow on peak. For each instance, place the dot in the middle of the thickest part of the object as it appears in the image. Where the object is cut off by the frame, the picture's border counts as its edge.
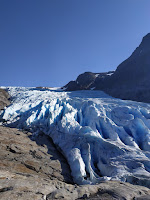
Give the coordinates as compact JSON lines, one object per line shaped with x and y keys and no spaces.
{"x":109,"y":74}
{"x":96,"y":75}
{"x":102,"y":138}
{"x":92,"y":88}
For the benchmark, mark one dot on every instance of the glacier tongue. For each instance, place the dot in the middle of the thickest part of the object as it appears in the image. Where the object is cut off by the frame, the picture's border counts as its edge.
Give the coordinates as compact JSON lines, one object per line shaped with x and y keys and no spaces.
{"x":102,"y":138}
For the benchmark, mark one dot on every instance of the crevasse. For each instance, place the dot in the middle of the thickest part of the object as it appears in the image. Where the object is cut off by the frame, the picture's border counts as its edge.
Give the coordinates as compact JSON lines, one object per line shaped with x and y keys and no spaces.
{"x":102,"y":138}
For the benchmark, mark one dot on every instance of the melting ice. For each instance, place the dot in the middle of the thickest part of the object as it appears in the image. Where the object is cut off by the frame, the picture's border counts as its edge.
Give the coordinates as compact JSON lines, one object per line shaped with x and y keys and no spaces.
{"x":102,"y":138}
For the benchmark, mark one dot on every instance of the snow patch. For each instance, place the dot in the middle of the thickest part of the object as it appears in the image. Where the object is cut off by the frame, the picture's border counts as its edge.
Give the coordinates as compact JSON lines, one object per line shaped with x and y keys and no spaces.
{"x":109,"y":74}
{"x":92,"y":88}
{"x":96,"y":75}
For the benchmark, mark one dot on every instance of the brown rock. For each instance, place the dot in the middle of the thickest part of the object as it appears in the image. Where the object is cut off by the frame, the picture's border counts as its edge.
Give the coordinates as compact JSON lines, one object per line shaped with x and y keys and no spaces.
{"x":4,"y":98}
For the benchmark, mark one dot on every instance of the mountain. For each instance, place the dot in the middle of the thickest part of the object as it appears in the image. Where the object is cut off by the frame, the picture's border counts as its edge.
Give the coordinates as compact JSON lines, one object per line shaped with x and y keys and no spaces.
{"x":131,"y":79}
{"x":88,"y":81}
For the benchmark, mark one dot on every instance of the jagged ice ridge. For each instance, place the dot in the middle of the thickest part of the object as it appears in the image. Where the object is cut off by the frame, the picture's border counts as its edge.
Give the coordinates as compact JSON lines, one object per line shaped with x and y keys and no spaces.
{"x":102,"y":138}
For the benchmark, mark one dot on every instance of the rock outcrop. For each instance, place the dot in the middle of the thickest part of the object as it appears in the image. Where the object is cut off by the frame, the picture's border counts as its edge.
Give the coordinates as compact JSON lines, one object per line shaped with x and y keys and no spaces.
{"x":4,"y":98}
{"x":30,"y":169}
{"x":87,"y":81}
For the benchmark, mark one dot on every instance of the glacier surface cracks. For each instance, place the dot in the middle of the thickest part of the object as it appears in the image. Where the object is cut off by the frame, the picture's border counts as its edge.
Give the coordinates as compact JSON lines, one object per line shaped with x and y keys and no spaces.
{"x":102,"y":138}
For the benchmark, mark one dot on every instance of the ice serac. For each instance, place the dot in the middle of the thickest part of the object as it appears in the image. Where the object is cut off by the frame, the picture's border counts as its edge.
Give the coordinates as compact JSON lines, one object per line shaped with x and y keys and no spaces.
{"x":103,"y":138}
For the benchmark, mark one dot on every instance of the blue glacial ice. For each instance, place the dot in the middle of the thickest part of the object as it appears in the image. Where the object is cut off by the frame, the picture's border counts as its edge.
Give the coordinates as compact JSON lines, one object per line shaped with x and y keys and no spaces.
{"x":102,"y":138}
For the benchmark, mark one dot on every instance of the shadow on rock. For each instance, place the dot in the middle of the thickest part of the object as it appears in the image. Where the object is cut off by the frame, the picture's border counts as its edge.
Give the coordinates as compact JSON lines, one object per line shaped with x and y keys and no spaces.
{"x":55,"y":156}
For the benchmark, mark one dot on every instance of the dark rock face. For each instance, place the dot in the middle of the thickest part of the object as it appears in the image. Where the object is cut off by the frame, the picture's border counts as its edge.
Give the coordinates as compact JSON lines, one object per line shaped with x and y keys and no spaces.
{"x":87,"y":81}
{"x":135,"y":70}
{"x":72,"y":86}
{"x":131,"y":80}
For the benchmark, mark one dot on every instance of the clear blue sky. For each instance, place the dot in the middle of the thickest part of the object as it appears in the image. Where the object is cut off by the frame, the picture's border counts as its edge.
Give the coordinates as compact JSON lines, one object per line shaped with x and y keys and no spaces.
{"x":50,"y":42}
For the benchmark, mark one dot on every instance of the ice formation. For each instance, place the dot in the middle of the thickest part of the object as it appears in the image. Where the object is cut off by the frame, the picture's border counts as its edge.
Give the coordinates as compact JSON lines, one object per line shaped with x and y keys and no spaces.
{"x":102,"y":138}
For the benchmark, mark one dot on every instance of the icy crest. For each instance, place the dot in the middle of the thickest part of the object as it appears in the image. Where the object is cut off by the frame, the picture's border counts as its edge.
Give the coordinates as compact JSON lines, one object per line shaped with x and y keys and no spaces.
{"x":102,"y":138}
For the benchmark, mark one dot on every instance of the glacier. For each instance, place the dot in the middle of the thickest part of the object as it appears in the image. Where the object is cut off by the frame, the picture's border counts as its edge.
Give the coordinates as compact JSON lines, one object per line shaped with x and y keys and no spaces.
{"x":102,"y":138}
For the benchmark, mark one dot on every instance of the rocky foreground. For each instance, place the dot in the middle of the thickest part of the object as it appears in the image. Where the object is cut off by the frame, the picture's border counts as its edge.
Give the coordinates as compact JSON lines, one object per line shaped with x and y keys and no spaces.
{"x":36,"y":170}
{"x":32,"y":168}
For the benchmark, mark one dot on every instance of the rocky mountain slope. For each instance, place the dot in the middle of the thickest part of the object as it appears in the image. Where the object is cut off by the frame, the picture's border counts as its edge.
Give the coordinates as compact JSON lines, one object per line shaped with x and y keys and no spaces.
{"x":131,"y":80}
{"x":88,"y":81}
